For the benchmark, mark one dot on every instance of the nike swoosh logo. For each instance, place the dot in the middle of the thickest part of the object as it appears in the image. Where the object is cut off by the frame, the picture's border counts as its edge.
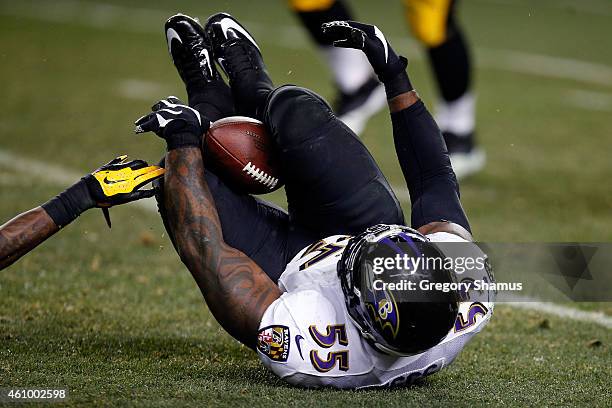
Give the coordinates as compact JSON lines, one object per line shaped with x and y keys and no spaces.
{"x":297,"y":342}
{"x":228,"y":23}
{"x":383,"y":40}
{"x":221,"y":60}
{"x":171,"y":34}
{"x":208,"y":61}
{"x":107,"y":181}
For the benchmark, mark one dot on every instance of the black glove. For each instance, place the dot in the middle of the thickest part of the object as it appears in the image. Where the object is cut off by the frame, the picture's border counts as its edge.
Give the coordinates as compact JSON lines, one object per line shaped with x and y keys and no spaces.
{"x":117,"y":182}
{"x":177,"y":123}
{"x":390,"y":68}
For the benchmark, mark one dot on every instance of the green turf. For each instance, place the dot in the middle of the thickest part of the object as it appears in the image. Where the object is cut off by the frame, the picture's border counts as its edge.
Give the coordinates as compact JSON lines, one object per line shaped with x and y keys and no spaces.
{"x":113,"y":315}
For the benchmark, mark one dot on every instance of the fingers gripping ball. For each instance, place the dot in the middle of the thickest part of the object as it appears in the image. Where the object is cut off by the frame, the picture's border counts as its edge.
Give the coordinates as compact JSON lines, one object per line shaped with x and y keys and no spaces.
{"x":241,"y":152}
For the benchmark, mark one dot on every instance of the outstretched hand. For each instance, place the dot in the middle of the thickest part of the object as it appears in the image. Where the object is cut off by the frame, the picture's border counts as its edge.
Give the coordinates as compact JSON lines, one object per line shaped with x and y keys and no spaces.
{"x":119,"y":181}
{"x":369,"y":39}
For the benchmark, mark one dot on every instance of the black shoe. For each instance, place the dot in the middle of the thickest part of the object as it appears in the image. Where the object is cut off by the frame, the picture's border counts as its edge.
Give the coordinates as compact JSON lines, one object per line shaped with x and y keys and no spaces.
{"x":466,"y":158}
{"x":239,"y":56}
{"x":190,"y":51}
{"x":356,"y":108}
{"x":222,"y":27}
{"x":192,"y":55}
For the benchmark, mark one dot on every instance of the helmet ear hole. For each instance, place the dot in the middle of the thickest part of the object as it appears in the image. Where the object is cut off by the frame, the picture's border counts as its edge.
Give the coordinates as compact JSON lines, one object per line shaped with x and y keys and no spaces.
{"x":384,"y":298}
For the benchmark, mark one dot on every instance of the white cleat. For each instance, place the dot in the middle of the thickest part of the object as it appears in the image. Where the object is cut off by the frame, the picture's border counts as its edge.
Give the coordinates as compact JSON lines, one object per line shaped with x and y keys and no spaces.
{"x":468,"y":163}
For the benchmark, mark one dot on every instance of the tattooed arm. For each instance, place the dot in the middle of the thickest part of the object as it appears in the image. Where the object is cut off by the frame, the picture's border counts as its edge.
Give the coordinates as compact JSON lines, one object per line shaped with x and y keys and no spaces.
{"x":24,"y":233}
{"x":236,"y":290}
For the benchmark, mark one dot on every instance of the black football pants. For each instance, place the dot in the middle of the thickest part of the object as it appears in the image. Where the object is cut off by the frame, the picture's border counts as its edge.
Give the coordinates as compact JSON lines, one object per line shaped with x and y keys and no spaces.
{"x":332,"y":182}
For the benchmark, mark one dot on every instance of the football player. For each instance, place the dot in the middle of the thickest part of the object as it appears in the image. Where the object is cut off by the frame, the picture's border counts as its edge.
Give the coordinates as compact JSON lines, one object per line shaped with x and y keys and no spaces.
{"x":435,"y":25}
{"x":117,"y":182}
{"x":291,"y":285}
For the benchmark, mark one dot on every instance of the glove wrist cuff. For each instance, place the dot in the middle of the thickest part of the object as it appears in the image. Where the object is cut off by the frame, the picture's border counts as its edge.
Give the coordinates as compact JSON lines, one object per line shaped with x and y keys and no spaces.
{"x":68,"y":205}
{"x":392,"y":69}
{"x":398,"y":83}
{"x":185,"y":139}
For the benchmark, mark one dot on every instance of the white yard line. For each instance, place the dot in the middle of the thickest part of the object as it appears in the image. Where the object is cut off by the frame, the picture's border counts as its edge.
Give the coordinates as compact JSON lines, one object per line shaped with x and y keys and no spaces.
{"x":41,"y":170}
{"x":60,"y":176}
{"x":140,"y":90}
{"x":598,"y":8}
{"x":146,"y":20}
{"x":589,"y":100}
{"x":561,"y":311}
{"x":546,"y":66}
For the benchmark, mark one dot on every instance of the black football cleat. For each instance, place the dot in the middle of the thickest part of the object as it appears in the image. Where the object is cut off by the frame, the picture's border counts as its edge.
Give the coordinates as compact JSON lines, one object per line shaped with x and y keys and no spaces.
{"x":239,"y":56}
{"x":356,"y":108}
{"x":190,"y":50}
{"x":222,"y":27}
{"x":192,"y":55}
{"x":466,"y":157}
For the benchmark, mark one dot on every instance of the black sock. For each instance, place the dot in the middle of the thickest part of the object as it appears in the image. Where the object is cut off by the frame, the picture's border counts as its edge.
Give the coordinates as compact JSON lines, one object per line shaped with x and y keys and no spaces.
{"x":214,"y":101}
{"x":313,"y":20}
{"x":451,"y":65}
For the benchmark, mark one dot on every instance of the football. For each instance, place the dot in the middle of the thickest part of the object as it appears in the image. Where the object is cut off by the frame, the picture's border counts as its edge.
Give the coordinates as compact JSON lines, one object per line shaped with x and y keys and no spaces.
{"x":242,"y":153}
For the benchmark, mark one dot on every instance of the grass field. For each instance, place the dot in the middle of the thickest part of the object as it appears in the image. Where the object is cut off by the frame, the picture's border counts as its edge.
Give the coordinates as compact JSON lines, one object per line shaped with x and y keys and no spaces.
{"x":114,"y":317}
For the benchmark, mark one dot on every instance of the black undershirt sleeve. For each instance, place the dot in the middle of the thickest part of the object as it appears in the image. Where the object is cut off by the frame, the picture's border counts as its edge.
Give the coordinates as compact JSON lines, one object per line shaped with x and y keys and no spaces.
{"x":423,"y":157}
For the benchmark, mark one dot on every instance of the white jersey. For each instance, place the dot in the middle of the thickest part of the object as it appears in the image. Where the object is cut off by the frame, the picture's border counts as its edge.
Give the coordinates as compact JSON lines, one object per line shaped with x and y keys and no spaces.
{"x":307,"y":337}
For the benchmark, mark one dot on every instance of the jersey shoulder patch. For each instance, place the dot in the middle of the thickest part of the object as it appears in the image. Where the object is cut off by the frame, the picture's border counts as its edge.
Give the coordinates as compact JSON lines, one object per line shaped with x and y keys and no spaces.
{"x":274,"y":342}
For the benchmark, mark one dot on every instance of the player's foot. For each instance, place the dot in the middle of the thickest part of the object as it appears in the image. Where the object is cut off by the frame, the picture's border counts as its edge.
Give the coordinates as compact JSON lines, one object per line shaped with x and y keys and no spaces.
{"x":192,"y":55}
{"x":356,"y":108}
{"x":239,"y":56}
{"x":190,"y":51}
{"x":466,"y":158}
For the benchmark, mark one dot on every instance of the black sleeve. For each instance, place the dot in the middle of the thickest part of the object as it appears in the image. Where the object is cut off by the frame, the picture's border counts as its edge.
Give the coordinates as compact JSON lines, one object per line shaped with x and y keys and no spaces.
{"x":423,"y":157}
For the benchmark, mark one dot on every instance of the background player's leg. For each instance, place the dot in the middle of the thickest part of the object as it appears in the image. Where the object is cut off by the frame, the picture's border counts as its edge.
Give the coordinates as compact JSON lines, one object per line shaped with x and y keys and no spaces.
{"x":333,"y":183}
{"x":434,"y":24}
{"x":259,"y":229}
{"x":360,"y":94}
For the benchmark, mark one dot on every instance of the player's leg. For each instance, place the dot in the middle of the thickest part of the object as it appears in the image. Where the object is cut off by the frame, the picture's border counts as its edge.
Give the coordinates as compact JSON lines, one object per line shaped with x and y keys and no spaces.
{"x":259,"y":229}
{"x":360,"y":94}
{"x":332,"y":180}
{"x":333,"y":184}
{"x":434,"y":24}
